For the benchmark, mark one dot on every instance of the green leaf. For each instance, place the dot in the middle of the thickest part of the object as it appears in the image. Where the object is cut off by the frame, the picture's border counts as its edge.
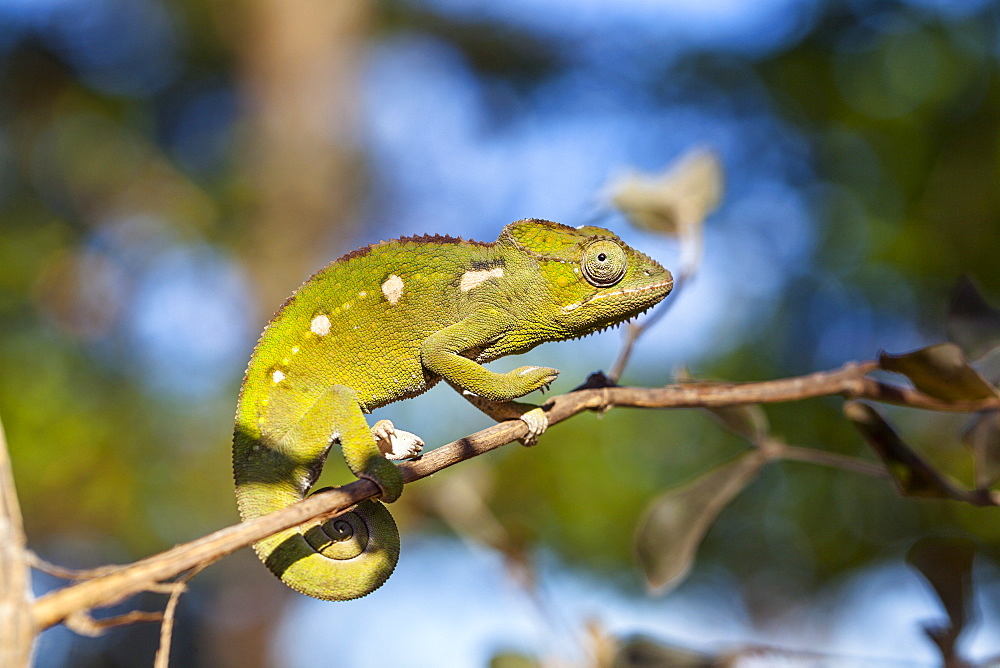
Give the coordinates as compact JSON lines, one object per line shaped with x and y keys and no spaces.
{"x":941,"y":371}
{"x":674,"y":524}
{"x":913,"y":475}
{"x":971,"y":322}
{"x":983,"y":438}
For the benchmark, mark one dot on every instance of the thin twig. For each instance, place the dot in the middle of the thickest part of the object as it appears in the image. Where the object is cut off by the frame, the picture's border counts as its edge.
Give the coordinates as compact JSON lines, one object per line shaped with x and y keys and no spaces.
{"x":634,"y":330}
{"x":58,"y":571}
{"x":848,"y":381}
{"x":162,"y":659}
{"x":81,"y":622}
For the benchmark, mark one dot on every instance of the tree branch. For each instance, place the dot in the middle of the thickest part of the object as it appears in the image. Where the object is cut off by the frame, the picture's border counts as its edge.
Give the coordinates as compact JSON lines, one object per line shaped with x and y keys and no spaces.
{"x":16,"y":630}
{"x":849,"y":381}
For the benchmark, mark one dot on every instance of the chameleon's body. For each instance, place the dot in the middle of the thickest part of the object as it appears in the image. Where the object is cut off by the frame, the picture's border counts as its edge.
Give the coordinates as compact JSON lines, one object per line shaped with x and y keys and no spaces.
{"x":385,"y":323}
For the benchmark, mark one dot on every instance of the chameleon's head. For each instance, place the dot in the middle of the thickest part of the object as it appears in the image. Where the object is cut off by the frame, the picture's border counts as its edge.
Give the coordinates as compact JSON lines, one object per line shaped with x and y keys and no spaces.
{"x":592,"y":278}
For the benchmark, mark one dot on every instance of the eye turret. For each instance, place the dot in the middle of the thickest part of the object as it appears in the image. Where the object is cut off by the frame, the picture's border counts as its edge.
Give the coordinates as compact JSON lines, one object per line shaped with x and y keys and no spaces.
{"x":604,"y":263}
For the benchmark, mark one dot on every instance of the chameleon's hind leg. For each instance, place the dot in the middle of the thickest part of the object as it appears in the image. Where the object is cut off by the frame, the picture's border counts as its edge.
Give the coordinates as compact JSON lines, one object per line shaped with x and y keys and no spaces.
{"x":396,"y":443}
{"x":342,"y":558}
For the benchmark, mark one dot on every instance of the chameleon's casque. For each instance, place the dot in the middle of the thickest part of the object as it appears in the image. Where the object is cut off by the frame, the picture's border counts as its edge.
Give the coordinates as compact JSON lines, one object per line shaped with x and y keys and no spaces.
{"x":385,"y":323}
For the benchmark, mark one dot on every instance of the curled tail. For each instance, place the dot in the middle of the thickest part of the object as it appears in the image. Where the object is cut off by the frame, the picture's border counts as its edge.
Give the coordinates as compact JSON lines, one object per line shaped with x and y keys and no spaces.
{"x":343,"y":558}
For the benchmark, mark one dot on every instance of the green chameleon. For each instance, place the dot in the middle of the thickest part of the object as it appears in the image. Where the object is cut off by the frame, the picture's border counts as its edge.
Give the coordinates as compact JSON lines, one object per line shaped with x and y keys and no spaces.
{"x":385,"y":323}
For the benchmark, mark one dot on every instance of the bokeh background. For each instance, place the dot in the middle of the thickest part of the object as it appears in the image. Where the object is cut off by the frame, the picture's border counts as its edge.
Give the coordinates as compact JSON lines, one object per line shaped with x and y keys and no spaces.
{"x":170,"y":171}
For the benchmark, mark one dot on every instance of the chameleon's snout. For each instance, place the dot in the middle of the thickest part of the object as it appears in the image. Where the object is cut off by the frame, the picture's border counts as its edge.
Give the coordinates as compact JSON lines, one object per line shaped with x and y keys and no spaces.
{"x":653,"y":276}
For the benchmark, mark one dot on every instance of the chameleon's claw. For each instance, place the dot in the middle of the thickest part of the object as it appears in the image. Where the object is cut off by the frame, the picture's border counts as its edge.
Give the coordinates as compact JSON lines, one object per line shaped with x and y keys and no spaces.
{"x":537,"y":422}
{"x":395,"y":443}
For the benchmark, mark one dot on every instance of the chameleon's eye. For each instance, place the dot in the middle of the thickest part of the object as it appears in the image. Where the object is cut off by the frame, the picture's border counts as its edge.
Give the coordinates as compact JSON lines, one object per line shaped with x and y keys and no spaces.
{"x":604,"y":263}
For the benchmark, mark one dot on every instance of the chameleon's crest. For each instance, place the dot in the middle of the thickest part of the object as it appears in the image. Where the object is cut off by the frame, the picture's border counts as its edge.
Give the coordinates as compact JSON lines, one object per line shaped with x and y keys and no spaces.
{"x":546,"y":240}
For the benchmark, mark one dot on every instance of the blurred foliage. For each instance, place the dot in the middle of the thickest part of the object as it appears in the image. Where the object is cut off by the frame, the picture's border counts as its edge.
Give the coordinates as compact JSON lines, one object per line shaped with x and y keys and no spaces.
{"x":150,"y":186}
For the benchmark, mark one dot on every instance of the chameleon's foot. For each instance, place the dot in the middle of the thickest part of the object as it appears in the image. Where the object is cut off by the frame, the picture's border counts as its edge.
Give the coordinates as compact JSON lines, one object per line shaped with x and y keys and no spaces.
{"x":396,"y":443}
{"x":534,"y":377}
{"x":537,"y":422}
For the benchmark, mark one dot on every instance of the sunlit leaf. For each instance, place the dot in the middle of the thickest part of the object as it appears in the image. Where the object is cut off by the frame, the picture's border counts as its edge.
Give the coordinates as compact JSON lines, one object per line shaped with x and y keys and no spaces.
{"x":941,"y":371}
{"x":512,"y":659}
{"x":682,"y":195}
{"x":972,"y":323}
{"x":983,"y":438}
{"x":913,"y":475}
{"x":674,"y":524}
{"x":946,"y":563}
{"x":675,"y":202}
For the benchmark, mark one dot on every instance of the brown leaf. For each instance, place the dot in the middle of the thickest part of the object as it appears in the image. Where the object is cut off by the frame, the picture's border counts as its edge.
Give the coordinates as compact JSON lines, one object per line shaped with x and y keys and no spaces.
{"x":509,"y":658}
{"x":941,"y":371}
{"x":674,"y":524}
{"x":946,"y":563}
{"x":640,"y":651}
{"x":913,"y":475}
{"x":971,"y":322}
{"x":749,"y":421}
{"x":983,"y":438}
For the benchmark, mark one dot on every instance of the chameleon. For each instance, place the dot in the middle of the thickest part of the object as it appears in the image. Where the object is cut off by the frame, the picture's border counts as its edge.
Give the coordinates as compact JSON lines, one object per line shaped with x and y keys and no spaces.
{"x":386,"y":322}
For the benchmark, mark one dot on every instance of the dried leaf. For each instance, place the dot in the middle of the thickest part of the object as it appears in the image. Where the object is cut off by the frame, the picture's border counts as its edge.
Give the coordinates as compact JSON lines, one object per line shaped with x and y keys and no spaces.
{"x":674,"y":524}
{"x":989,"y":366}
{"x":972,"y":323}
{"x":983,"y":438}
{"x":941,"y":371}
{"x":913,"y":475}
{"x":675,"y":201}
{"x":749,"y":421}
{"x":513,"y":659}
{"x":946,"y":563}
{"x":640,"y":651}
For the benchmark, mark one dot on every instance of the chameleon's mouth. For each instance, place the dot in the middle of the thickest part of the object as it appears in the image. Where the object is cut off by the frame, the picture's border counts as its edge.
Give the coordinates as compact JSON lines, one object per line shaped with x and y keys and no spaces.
{"x":666,"y":285}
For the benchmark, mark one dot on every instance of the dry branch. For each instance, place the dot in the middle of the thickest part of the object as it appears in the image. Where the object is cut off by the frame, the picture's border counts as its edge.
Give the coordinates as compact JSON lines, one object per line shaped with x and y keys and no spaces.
{"x":16,"y":631}
{"x":850,"y":381}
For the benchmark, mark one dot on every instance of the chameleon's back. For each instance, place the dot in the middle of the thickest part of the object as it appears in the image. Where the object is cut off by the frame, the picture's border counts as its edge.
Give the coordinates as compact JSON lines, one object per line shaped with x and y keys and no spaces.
{"x":360,"y":322}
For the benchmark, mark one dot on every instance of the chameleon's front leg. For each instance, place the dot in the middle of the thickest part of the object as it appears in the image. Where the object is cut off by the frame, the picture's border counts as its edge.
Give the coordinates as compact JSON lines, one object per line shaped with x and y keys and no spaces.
{"x":489,"y":391}
{"x":530,"y":414}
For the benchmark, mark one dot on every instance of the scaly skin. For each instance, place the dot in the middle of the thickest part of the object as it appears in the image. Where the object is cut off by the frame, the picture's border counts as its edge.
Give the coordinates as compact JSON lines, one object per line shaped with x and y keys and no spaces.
{"x":386,"y":323}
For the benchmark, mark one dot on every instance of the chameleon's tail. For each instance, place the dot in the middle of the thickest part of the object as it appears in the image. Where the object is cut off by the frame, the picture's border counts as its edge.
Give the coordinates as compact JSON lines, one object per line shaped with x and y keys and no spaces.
{"x":343,"y":558}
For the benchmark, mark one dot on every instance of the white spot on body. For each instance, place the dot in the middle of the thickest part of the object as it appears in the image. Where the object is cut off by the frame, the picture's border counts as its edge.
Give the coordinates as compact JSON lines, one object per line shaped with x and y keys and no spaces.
{"x":393,"y":289}
{"x":320,"y":325}
{"x":277,"y":376}
{"x":476,"y":277}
